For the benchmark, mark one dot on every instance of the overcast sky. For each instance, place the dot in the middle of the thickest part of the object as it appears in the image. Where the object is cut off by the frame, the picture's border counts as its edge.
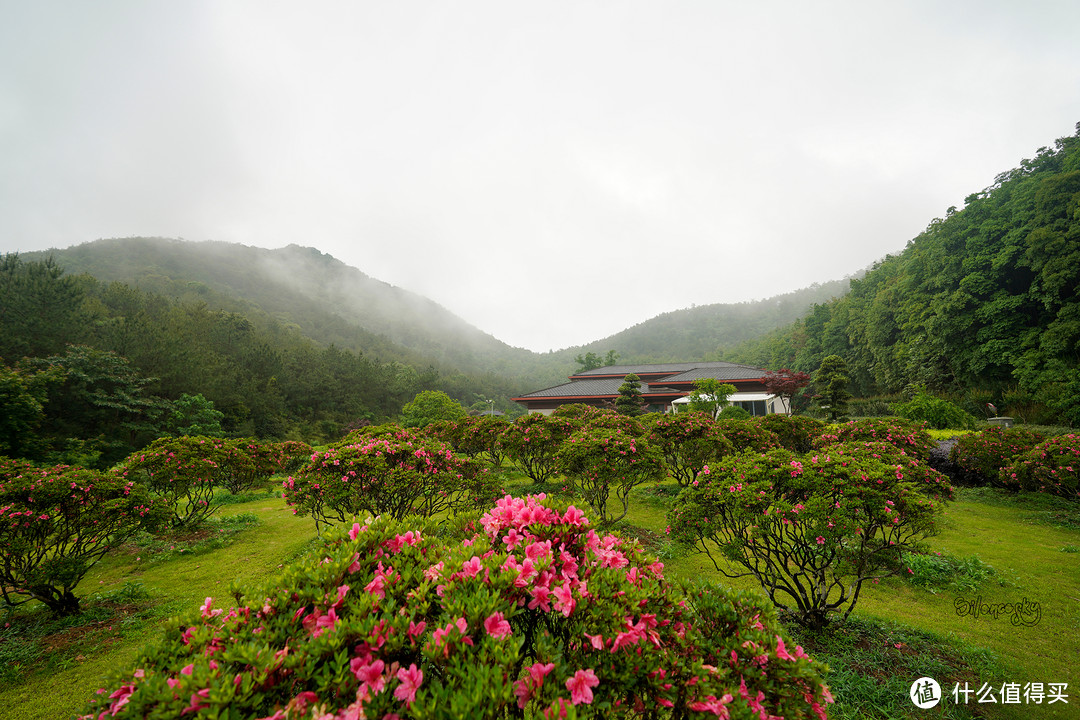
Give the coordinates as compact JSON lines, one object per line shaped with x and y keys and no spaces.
{"x":553,"y":172}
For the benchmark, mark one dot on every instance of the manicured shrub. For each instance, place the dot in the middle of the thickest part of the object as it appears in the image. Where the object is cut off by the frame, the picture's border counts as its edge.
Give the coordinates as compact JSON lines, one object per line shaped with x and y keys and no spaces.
{"x":733,"y":412}
{"x":809,"y":528}
{"x":430,"y":406}
{"x":1051,"y":467}
{"x":687,"y":441}
{"x":56,"y":523}
{"x":748,"y":436}
{"x":530,"y":442}
{"x":937,"y":413}
{"x":980,"y":456}
{"x":476,"y":436}
{"x":905,"y":434}
{"x":399,"y":475}
{"x":795,"y":432}
{"x":535,"y":616}
{"x":180,"y":471}
{"x":601,"y":461}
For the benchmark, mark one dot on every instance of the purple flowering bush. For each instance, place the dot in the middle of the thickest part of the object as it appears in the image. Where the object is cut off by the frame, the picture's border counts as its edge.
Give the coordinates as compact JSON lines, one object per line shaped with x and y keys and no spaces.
{"x":811,"y":529}
{"x":533,"y":615}
{"x":688,"y":442}
{"x":396,"y":473}
{"x":908,"y":435}
{"x":1051,"y":467}
{"x":57,"y":522}
{"x":981,"y":456}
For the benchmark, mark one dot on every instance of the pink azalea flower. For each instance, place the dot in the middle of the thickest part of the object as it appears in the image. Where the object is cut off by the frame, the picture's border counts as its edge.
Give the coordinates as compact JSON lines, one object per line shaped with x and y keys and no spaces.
{"x":370,"y":674}
{"x":410,"y":683}
{"x":597,"y":641}
{"x":573,"y":516}
{"x":497,"y":626}
{"x":541,"y":599}
{"x":820,"y":540}
{"x":355,"y":532}
{"x":525,"y":687}
{"x":564,"y":599}
{"x":781,"y":650}
{"x":472,"y":567}
{"x":206,"y":611}
{"x":580,"y":686}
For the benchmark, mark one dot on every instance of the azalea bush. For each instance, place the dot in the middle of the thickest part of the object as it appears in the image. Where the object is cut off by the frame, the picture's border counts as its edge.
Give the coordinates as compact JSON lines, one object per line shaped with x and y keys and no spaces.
{"x":980,"y":456}
{"x":811,"y":529}
{"x":57,"y":522}
{"x":749,"y":435}
{"x":400,"y":474}
{"x":687,"y":442}
{"x":1051,"y":467}
{"x":182,"y":472}
{"x":476,"y":436}
{"x":530,"y":442}
{"x":795,"y":432}
{"x":905,"y":434}
{"x":601,"y":461}
{"x":248,"y":463}
{"x":533,"y":614}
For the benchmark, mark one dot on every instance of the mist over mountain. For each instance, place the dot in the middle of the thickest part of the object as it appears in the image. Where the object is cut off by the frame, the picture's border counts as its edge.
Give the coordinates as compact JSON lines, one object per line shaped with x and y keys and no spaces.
{"x":334,"y":303}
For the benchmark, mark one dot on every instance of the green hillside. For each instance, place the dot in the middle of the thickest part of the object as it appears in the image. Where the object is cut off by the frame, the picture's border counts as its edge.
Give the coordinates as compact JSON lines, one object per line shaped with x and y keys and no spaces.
{"x":982,"y":305}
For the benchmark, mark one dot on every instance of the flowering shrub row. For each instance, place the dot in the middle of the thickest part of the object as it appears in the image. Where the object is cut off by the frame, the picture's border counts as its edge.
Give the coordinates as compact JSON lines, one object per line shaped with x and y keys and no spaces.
{"x":811,"y":528}
{"x":1050,"y":467}
{"x":395,"y":472}
{"x":908,"y":435}
{"x":981,"y":456}
{"x":600,"y":460}
{"x":56,"y":523}
{"x":185,"y":471}
{"x":533,"y":615}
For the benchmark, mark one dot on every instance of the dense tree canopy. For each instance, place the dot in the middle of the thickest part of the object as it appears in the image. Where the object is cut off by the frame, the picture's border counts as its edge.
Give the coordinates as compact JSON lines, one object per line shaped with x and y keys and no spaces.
{"x":983,"y":303}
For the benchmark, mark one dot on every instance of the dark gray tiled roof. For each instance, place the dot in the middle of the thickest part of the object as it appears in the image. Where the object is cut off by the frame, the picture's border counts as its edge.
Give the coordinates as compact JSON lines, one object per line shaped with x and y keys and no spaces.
{"x":683,"y":367}
{"x":733,"y":372}
{"x":587,"y":388}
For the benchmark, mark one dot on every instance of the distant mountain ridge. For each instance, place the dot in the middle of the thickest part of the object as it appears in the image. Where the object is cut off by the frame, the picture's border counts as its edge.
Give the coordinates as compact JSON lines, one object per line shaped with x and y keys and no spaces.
{"x":334,"y":303}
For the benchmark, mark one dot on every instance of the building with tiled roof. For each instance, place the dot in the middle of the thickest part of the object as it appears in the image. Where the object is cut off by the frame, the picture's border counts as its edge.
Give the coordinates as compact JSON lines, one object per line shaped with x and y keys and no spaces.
{"x":664,"y":387}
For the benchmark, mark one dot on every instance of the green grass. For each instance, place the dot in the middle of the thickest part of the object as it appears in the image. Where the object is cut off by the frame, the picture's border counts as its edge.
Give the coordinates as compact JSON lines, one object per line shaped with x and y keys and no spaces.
{"x":1025,"y":540}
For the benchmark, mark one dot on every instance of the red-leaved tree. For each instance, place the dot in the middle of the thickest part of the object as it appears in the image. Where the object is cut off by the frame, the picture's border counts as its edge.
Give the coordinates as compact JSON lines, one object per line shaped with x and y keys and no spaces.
{"x":785,"y":383}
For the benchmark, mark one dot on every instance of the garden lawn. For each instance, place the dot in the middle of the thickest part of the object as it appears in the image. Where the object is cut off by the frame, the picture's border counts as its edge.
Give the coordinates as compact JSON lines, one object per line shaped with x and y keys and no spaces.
{"x":181,"y":583}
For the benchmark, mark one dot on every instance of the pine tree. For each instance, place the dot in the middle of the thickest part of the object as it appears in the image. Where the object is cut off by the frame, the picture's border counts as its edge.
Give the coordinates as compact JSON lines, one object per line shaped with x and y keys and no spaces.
{"x":831,"y":383}
{"x":630,"y":402}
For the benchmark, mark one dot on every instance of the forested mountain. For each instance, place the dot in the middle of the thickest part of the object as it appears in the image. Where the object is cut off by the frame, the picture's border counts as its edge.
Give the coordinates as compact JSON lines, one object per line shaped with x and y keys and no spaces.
{"x":333,"y":303}
{"x":329,"y":301}
{"x":982,"y":305}
{"x":107,"y":344}
{"x":705,"y":331}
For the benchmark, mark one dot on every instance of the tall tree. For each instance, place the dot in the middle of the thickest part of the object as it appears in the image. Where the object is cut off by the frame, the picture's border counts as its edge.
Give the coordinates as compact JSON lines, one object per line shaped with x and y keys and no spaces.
{"x":592,"y":361}
{"x":785,"y":384}
{"x":40,"y":308}
{"x":710,"y":396}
